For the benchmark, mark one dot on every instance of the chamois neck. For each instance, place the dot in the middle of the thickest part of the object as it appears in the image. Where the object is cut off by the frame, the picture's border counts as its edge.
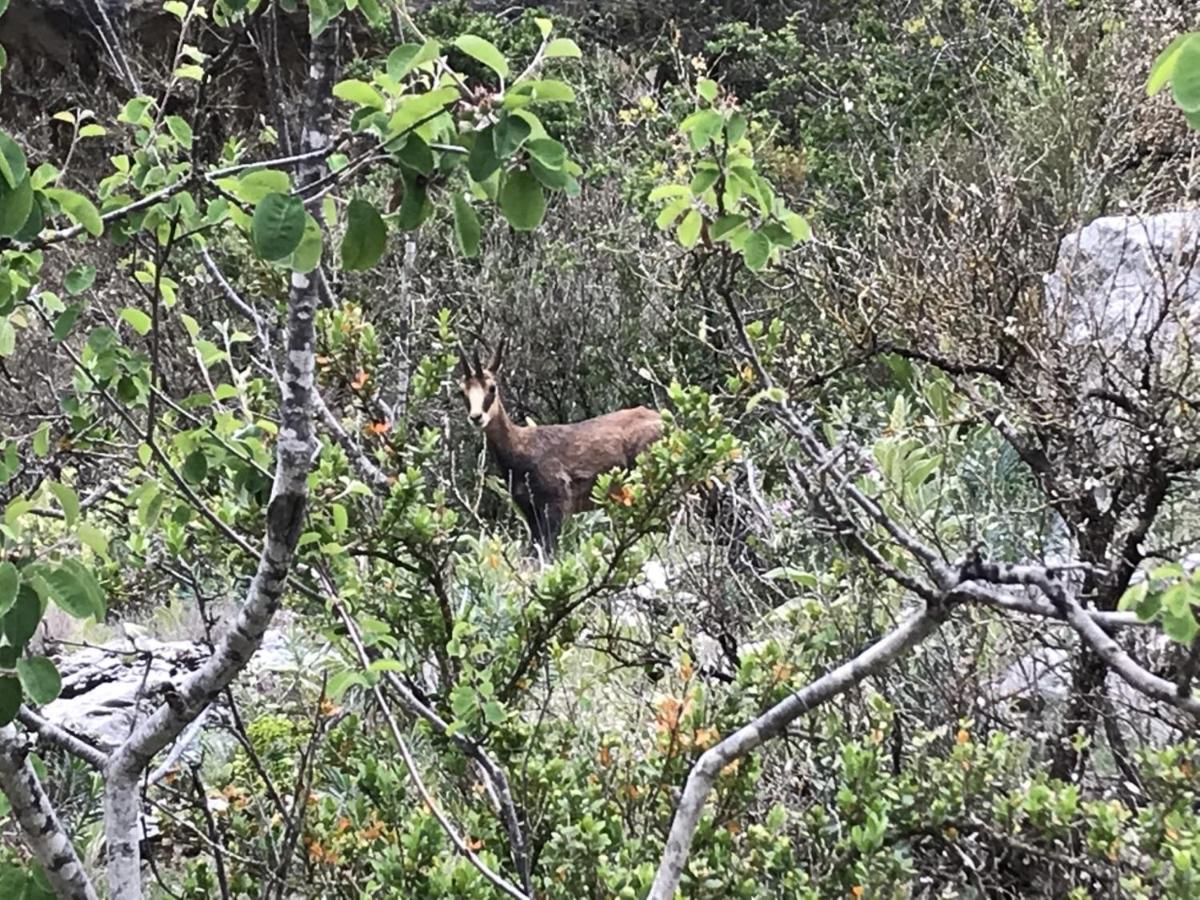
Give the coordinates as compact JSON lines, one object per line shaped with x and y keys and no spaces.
{"x":501,"y":433}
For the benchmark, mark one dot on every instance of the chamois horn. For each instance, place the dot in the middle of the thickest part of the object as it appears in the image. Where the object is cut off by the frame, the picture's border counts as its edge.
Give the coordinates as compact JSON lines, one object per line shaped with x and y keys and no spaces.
{"x":498,"y":356}
{"x":462,"y":357}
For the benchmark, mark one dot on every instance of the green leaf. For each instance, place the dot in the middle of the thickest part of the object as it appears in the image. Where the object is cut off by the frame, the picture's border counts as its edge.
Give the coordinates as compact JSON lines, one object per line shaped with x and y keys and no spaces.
{"x":134,"y":112}
{"x":10,"y":698}
{"x":414,"y":206}
{"x":16,"y":204}
{"x":79,"y":279}
{"x":94,"y":538}
{"x":493,"y":713}
{"x":707,"y":89}
{"x":462,"y":701}
{"x":555,"y":179}
{"x":307,"y":256}
{"x":1180,"y":628}
{"x":13,"y":167}
{"x":1185,"y":80}
{"x":484,"y":51}
{"x":40,"y":679}
{"x":21,"y":620}
{"x":416,"y":155}
{"x":253,"y":186}
{"x":79,"y":208}
{"x":359,"y":93}
{"x":756,"y":251}
{"x":137,"y":320}
{"x":195,"y":467}
{"x":562,"y":47}
{"x":549,"y":152}
{"x":277,"y":226}
{"x":8,"y":337}
{"x":180,"y":130}
{"x":549,"y":90}
{"x":68,"y":500}
{"x":1164,"y":65}
{"x":522,"y":201}
{"x":366,"y":237}
{"x":723,"y":227}
{"x":735,"y":128}
{"x":466,"y":226}
{"x":407,"y":57}
{"x":703,"y":180}
{"x":341,"y":519}
{"x":798,"y":226}
{"x":508,"y":135}
{"x":75,"y":589}
{"x":1134,"y":595}
{"x":482,"y":160}
{"x":688,"y":231}
{"x":66,"y":321}
{"x":343,"y":681}
{"x":10,"y":581}
{"x":672,"y":211}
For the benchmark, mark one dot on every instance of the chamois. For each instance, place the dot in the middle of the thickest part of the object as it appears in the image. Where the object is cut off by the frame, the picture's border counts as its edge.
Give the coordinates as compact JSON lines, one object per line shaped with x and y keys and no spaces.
{"x":551,"y":469}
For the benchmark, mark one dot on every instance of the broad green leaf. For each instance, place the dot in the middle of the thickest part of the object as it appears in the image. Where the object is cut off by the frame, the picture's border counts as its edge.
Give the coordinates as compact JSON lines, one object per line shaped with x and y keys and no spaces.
{"x":134,"y":112}
{"x":8,"y":337}
{"x":343,"y":681}
{"x":563,"y":47}
{"x":407,"y":57}
{"x":482,"y":160}
{"x":798,"y":226}
{"x":493,"y":713}
{"x":549,"y":152}
{"x":672,"y":211}
{"x":723,"y":227}
{"x":1164,"y":65}
{"x":10,"y":698}
{"x":137,"y":320}
{"x":703,"y":180}
{"x":466,"y":226}
{"x":462,"y":701}
{"x":412,"y":111}
{"x":79,"y":279}
{"x":663,"y":191}
{"x":94,"y":538}
{"x":74,"y":588}
{"x":707,"y":89}
{"x":16,"y":204}
{"x":735,"y":128}
{"x":180,"y":130}
{"x":359,"y":93}
{"x":756,"y":251}
{"x":21,"y":620}
{"x":544,"y":26}
{"x":688,"y":231}
{"x":253,"y":186}
{"x":555,"y":179}
{"x":10,"y":581}
{"x":66,"y":321}
{"x":13,"y":167}
{"x":416,"y":155}
{"x":484,"y":51}
{"x":307,"y":256}
{"x":40,"y":679}
{"x":366,"y":237}
{"x":1185,"y":79}
{"x":195,"y":467}
{"x":522,"y":201}
{"x":415,"y":207}
{"x":341,"y":519}
{"x":1134,"y":595}
{"x":1181,"y":628}
{"x":508,"y":135}
{"x":68,"y":500}
{"x":79,"y":208}
{"x":277,"y":226}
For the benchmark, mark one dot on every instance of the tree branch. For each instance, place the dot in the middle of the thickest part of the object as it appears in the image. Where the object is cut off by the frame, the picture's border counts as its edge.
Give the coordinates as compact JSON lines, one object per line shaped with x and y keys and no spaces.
{"x":911,"y":632}
{"x":295,"y":451}
{"x":41,"y":828}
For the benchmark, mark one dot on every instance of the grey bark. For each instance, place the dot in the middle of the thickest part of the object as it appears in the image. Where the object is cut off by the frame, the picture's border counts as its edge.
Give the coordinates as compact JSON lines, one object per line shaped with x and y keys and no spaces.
{"x":296,"y":447}
{"x":40,"y":826}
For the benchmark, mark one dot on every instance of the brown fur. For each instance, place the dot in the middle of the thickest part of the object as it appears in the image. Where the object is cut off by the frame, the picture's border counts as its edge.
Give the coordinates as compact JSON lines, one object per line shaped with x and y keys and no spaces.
{"x":551,"y":469}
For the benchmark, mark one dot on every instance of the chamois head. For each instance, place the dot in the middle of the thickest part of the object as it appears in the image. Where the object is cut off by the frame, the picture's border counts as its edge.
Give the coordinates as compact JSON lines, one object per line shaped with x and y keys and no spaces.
{"x":479,"y":387}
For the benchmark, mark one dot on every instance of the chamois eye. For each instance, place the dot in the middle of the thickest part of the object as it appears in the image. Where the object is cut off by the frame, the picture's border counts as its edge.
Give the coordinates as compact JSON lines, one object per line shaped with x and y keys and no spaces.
{"x":491,"y":391}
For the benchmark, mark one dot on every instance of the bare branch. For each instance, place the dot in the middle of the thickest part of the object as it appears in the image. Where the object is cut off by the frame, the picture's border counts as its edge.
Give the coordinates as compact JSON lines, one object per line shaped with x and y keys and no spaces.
{"x":911,"y":632}
{"x":43,"y":832}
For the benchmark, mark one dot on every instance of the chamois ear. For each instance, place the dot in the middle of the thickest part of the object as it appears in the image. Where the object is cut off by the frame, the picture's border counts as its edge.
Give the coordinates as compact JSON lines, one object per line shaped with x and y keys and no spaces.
{"x":498,"y":356}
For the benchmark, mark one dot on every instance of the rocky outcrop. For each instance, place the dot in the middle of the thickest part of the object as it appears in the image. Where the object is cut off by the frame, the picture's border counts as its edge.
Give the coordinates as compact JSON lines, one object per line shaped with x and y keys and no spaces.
{"x":105,"y":688}
{"x":1122,"y":279}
